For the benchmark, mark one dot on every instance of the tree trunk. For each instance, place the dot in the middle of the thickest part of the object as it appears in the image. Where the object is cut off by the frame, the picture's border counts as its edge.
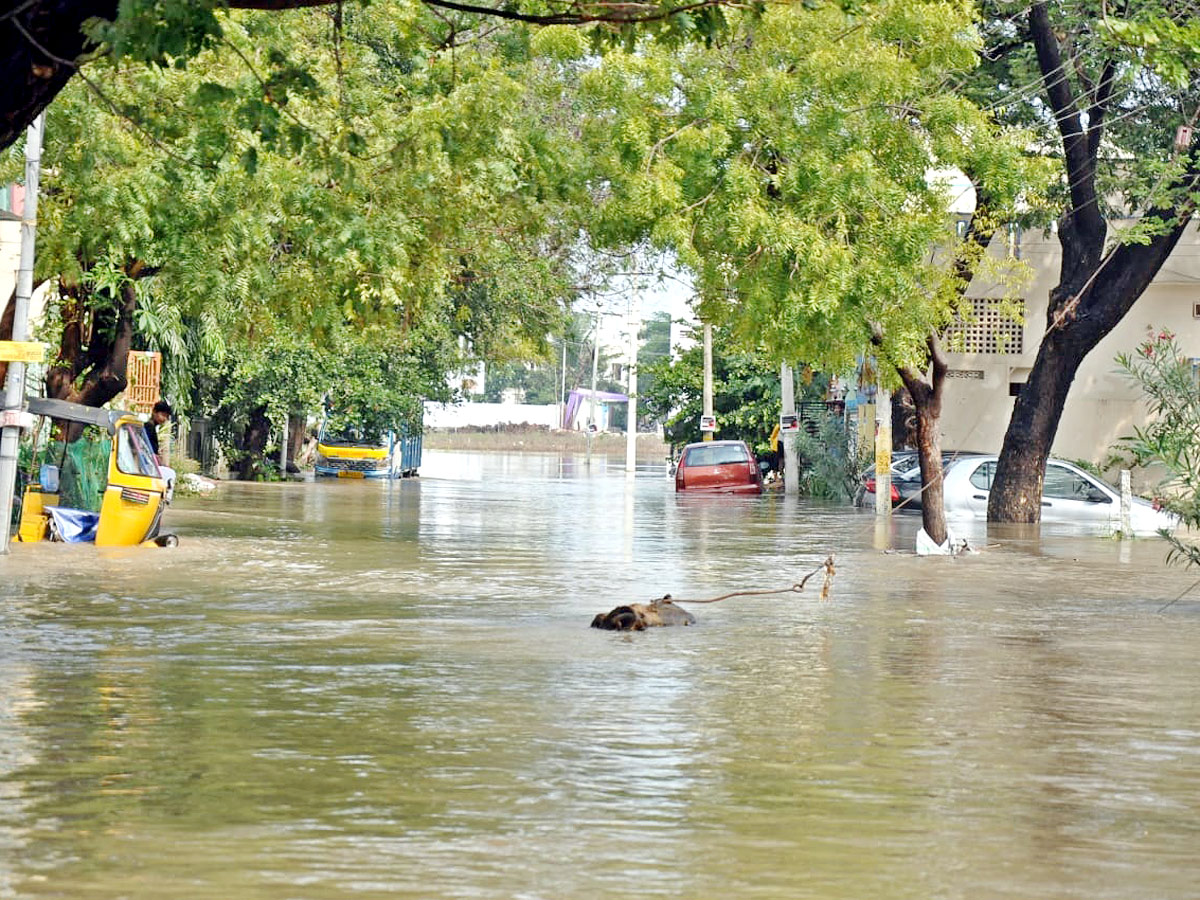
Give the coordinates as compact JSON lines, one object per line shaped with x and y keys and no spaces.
{"x":1094,"y":292}
{"x":927,"y":401}
{"x":929,"y":451}
{"x":253,"y":445}
{"x":39,"y":43}
{"x":926,"y":395}
{"x":110,"y":376}
{"x":1093,"y":295}
{"x":94,"y":346}
{"x":1016,"y":494}
{"x":296,"y":435}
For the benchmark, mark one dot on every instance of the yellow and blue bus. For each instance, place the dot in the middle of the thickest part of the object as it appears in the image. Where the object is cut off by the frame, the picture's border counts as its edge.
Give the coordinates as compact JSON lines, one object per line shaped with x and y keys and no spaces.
{"x":360,"y":451}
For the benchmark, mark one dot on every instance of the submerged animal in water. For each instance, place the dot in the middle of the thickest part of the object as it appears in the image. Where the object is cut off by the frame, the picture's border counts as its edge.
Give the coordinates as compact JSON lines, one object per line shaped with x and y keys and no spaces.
{"x":638,"y":616}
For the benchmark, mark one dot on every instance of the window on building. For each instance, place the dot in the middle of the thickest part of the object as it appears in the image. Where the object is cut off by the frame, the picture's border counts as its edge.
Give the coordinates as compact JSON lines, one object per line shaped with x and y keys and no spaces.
{"x":989,"y":326}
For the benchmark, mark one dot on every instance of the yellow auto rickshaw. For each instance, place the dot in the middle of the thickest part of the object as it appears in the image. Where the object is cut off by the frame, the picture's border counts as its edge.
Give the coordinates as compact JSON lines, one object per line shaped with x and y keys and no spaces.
{"x":133,"y":495}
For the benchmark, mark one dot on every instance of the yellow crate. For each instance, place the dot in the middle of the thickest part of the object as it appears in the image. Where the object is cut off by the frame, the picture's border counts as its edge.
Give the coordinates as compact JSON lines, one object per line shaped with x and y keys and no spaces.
{"x":35,"y":524}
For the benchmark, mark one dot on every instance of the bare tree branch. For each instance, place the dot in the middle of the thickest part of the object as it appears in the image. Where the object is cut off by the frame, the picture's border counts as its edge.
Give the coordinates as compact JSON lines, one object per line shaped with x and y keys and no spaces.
{"x":577,"y":13}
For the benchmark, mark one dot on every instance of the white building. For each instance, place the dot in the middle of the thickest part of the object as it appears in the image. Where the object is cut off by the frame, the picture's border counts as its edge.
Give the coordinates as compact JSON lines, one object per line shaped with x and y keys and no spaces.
{"x":1103,"y":405}
{"x":12,"y":202}
{"x":10,"y":239}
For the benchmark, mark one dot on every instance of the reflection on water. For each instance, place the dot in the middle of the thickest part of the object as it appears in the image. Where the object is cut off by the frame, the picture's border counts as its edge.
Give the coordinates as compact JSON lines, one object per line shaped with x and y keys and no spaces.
{"x":390,"y":690}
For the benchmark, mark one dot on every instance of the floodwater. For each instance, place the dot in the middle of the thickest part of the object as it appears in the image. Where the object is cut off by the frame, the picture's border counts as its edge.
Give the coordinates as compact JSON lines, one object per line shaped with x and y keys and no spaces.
{"x":365,"y":690}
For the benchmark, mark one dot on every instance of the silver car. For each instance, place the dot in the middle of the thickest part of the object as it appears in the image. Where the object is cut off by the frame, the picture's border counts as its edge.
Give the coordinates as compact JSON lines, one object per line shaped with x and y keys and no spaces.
{"x":1069,"y":494}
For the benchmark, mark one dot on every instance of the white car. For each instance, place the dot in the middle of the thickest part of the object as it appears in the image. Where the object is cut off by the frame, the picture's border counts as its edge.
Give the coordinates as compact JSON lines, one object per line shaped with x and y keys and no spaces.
{"x":1069,"y":494}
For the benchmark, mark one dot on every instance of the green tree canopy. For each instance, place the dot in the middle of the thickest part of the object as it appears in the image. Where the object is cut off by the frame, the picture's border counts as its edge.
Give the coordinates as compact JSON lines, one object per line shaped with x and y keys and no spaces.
{"x":384,"y":188}
{"x":746,"y":394}
{"x":791,"y":168}
{"x":1106,"y":88}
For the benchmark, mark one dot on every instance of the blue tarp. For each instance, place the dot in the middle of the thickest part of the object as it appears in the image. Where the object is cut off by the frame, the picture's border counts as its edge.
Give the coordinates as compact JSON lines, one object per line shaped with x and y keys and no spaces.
{"x":75,"y":526}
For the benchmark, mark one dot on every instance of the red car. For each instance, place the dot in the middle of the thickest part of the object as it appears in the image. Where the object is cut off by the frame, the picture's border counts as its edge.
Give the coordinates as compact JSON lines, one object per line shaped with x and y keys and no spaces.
{"x":724,"y":467}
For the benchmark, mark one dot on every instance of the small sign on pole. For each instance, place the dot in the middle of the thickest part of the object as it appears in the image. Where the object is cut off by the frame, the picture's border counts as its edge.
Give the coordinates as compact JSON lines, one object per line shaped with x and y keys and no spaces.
{"x":22,"y":351}
{"x":16,"y":418}
{"x":1183,"y":137}
{"x":789,"y":423}
{"x":708,"y":423}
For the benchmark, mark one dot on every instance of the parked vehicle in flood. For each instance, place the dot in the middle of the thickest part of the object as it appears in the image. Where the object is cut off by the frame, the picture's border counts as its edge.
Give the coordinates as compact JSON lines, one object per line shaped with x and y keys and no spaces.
{"x":902,"y":461}
{"x":1069,"y":494}
{"x":907,"y":488}
{"x":725,"y":467}
{"x":133,"y":490}
{"x":355,"y":451}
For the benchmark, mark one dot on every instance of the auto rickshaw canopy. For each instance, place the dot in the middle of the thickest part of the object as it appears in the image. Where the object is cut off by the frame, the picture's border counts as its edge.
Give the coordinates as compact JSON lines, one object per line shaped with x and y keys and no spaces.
{"x":77,"y":412}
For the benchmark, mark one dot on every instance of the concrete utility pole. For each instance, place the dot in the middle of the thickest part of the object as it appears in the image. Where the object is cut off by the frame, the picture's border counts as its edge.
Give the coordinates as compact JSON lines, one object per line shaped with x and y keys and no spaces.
{"x":562,"y":393}
{"x":14,"y":387}
{"x":708,"y":376}
{"x":631,"y":419}
{"x":592,"y":408}
{"x":791,"y":459}
{"x":283,"y":445}
{"x":883,"y":451}
{"x":1126,"y":506}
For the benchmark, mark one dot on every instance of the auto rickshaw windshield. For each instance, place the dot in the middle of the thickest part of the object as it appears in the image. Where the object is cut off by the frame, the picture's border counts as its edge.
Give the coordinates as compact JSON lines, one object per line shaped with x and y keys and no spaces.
{"x":134,"y":456}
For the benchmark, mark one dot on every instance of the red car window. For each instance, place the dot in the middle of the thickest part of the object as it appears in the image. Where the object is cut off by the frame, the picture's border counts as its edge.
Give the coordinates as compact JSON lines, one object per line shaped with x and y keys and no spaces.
{"x":718,"y":455}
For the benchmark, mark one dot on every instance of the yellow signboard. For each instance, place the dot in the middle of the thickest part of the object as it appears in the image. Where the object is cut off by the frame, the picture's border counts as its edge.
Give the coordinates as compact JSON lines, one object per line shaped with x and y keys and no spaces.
{"x":22,"y":351}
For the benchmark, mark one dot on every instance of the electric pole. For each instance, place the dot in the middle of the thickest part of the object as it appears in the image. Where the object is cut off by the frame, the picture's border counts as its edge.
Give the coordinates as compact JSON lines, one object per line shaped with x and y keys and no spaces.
{"x":708,"y":377}
{"x":883,"y":452}
{"x":14,"y":388}
{"x":631,"y":423}
{"x":791,"y":459}
{"x":591,"y":429}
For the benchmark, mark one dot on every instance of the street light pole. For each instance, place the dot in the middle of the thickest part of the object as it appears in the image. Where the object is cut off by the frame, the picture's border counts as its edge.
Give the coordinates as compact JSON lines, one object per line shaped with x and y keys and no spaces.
{"x":14,"y":388}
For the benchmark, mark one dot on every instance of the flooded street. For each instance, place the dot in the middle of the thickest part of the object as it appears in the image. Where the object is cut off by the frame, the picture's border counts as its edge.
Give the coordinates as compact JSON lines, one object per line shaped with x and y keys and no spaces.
{"x":352,"y":689}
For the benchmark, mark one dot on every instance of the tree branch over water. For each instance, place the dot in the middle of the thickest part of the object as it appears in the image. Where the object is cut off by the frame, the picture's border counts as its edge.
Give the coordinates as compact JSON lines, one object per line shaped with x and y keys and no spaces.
{"x":43,"y":42}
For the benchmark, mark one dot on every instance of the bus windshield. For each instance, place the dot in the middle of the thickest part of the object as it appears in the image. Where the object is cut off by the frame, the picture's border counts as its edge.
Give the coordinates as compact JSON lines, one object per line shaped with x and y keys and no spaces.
{"x":336,"y":434}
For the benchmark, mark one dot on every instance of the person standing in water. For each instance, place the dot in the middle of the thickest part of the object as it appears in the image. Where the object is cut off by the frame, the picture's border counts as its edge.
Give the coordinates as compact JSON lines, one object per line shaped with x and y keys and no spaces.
{"x":160,"y":414}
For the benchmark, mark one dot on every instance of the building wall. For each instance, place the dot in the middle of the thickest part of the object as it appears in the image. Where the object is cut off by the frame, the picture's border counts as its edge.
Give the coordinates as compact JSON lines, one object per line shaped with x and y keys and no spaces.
{"x":10,"y":256}
{"x":12,"y":204}
{"x":468,"y":415}
{"x":1103,"y":405}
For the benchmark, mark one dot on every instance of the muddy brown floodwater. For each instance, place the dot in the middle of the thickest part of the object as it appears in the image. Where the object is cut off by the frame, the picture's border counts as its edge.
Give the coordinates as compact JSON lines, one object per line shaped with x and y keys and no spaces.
{"x":364,"y":690}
